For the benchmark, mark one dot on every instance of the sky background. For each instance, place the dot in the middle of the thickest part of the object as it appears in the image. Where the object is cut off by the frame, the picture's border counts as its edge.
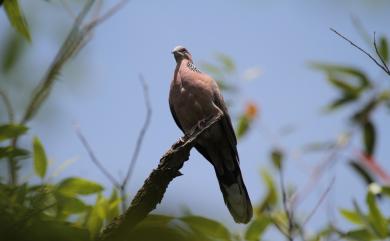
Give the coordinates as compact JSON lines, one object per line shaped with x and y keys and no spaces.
{"x":100,"y":91}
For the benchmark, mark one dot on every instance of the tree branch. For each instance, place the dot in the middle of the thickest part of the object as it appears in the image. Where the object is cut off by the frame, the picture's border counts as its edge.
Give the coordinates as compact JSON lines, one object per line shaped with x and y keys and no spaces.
{"x":384,"y":67}
{"x":139,"y":141}
{"x":156,"y":184}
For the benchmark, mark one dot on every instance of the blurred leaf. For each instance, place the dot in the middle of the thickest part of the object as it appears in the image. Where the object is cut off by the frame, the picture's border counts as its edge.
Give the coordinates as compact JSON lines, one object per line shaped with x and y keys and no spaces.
{"x":96,"y":217}
{"x":337,"y":70}
{"x":359,"y":235}
{"x":55,"y":230}
{"x":113,"y":205}
{"x":227,"y":63}
{"x":383,"y":48}
{"x":40,"y":159}
{"x":369,"y":135}
{"x":207,"y":227}
{"x":157,"y":220}
{"x":342,"y":85}
{"x":70,"y":205}
{"x":386,"y":190}
{"x":271,"y":197}
{"x":375,"y":216}
{"x":13,"y":152}
{"x":256,"y":228}
{"x":363,"y":115}
{"x":277,"y":158}
{"x":16,"y":18}
{"x":9,"y":131}
{"x":212,"y":70}
{"x":74,"y":185}
{"x":362,"y":172}
{"x":346,"y":99}
{"x":12,"y":52}
{"x":242,"y":126}
{"x":351,"y":216}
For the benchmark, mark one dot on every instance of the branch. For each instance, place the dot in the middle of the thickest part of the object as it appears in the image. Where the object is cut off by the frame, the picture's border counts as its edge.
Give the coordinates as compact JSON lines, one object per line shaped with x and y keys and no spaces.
{"x":94,"y":159}
{"x":8,"y":106}
{"x":384,"y":66}
{"x":156,"y":184}
{"x":139,"y":140}
{"x":287,"y":209}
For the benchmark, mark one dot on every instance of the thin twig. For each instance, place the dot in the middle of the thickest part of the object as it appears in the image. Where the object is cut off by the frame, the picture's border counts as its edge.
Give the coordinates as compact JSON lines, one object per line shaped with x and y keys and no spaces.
{"x":379,"y":55}
{"x":94,"y":159}
{"x":362,"y":50}
{"x":140,"y":139}
{"x":8,"y":106}
{"x":322,"y":198}
{"x":287,"y":209}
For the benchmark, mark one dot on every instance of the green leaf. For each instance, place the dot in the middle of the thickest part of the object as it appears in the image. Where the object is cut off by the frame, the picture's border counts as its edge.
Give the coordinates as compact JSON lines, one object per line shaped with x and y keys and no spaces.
{"x":157,"y":220}
{"x":346,"y":99}
{"x":369,"y":135}
{"x":362,"y":172}
{"x":13,"y":152}
{"x":96,"y":217}
{"x":242,"y":126}
{"x":212,"y":70}
{"x":70,"y":205}
{"x":207,"y":227}
{"x":375,"y":216}
{"x":113,"y":205}
{"x":337,"y":70}
{"x":383,"y":48}
{"x":10,"y":131}
{"x":257,"y":228}
{"x":227,"y":63}
{"x":40,"y":159}
{"x":16,"y":18}
{"x":271,"y":198}
{"x":13,"y":51}
{"x":74,"y":185}
{"x":386,"y":190}
{"x":277,"y":158}
{"x":359,"y":235}
{"x":351,"y":216}
{"x":343,"y":85}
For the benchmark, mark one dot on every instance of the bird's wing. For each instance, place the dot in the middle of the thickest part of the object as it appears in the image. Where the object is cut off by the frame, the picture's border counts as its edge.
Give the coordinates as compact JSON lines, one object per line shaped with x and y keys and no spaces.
{"x":174,"y":115}
{"x":226,"y":121}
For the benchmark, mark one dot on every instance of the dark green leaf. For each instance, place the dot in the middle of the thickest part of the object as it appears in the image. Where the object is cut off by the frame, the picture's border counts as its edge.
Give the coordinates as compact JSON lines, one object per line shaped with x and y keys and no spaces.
{"x":74,"y":185}
{"x":337,"y":70}
{"x":256,"y":228}
{"x":359,"y":235}
{"x":40,"y":159}
{"x":207,"y":227}
{"x":386,"y":190}
{"x":364,"y":114}
{"x":12,"y":152}
{"x":341,"y":102}
{"x":10,"y":131}
{"x":157,"y":220}
{"x":55,"y":230}
{"x":16,"y":18}
{"x":383,"y":48}
{"x":369,"y":135}
{"x":12,"y":52}
{"x":343,"y":85}
{"x":362,"y":172}
{"x":277,"y":158}
{"x":351,"y":216}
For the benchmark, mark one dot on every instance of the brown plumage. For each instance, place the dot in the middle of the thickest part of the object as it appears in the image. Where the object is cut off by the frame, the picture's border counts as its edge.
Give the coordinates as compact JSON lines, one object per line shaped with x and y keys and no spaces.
{"x":195,"y":96}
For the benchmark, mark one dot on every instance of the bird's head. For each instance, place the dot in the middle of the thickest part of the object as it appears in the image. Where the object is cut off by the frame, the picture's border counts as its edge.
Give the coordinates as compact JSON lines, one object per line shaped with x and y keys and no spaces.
{"x":181,"y":53}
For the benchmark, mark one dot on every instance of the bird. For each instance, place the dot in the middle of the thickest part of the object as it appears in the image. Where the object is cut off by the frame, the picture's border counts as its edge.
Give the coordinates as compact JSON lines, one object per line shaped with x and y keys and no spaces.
{"x":195,"y":96}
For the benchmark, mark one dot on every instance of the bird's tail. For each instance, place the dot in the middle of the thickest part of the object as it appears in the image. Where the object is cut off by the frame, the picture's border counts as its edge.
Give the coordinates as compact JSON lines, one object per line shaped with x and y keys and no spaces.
{"x":235,"y":194}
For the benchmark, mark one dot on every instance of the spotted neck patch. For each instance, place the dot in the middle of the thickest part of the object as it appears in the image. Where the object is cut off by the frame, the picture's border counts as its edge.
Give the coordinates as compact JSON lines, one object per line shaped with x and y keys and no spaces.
{"x":192,"y":67}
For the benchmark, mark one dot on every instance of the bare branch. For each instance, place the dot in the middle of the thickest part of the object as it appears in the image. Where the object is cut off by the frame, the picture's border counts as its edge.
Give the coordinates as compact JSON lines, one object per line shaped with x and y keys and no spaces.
{"x":362,"y":50}
{"x":8,"y":106}
{"x":322,"y":198}
{"x":140,"y":139}
{"x":94,"y":158}
{"x":156,"y":184}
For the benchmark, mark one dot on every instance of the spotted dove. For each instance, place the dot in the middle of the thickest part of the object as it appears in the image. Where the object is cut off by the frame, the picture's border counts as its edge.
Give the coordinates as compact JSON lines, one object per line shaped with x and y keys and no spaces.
{"x":195,"y":96}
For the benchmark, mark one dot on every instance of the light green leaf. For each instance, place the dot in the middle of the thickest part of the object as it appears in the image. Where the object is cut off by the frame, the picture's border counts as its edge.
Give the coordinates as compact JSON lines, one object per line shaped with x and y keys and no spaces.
{"x":257,"y":228}
{"x":40,"y":159}
{"x":377,"y":220}
{"x":207,"y":227}
{"x":10,"y":131}
{"x":242,"y":126}
{"x":271,"y":197}
{"x":70,"y":205}
{"x":351,"y":216}
{"x":359,"y":235}
{"x":96,"y":217}
{"x":16,"y":18}
{"x":75,"y":185}
{"x":227,"y":63}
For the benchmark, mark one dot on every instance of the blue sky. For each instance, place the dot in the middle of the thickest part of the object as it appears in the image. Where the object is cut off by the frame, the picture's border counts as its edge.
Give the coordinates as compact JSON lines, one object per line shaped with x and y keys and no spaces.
{"x":100,"y":90}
